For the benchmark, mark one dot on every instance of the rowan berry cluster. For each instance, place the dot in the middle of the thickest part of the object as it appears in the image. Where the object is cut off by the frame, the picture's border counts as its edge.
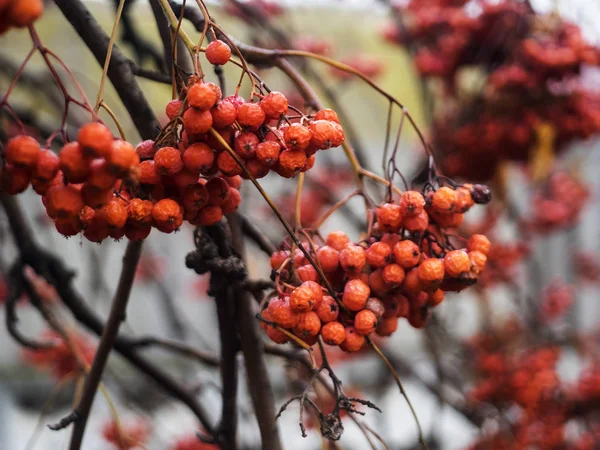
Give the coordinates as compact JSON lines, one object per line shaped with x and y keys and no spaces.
{"x":60,"y":359}
{"x":529,"y":66}
{"x":527,"y":383}
{"x":104,"y":187}
{"x":126,"y":436}
{"x":558,"y":203}
{"x":259,"y":132}
{"x":403,"y":269}
{"x":19,"y":13}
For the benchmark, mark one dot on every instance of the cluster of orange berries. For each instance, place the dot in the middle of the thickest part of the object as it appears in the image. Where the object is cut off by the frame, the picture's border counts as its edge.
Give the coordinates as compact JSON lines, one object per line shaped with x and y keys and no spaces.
{"x":559,"y":202}
{"x":528,"y":383}
{"x":104,"y":187}
{"x":19,"y":13}
{"x":531,"y":79}
{"x":402,"y":270}
{"x":126,"y":436}
{"x":258,"y":132}
{"x":60,"y":359}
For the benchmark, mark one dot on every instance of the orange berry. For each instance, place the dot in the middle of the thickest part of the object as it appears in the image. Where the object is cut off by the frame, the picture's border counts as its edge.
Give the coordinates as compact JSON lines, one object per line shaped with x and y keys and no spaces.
{"x":338,"y":240}
{"x":274,"y":104}
{"x":168,"y":161}
{"x":456,"y":262}
{"x":378,"y":254}
{"x":148,"y":173}
{"x":416,"y":224}
{"x":278,"y":258}
{"x":198,"y":157}
{"x":122,"y":157}
{"x":267,"y":152}
{"x":65,"y":201}
{"x":353,"y":341}
{"x":431,"y":272}
{"x":307,"y":273}
{"x":302,"y":299}
{"x":479,"y":243}
{"x":412,"y":283}
{"x":339,"y":136}
{"x":333,"y":333}
{"x":452,"y":220}
{"x":282,"y":313}
{"x":46,"y":166}
{"x":227,"y":165}
{"x":172,"y":109}
{"x":245,"y":144}
{"x":235,"y":182}
{"x":308,"y":325}
{"x":297,"y":137}
{"x":322,"y":134}
{"x":353,"y":258}
{"x":218,"y":191}
{"x":465,"y":200}
{"x":224,"y":114}
{"x":197,"y":121}
{"x":95,"y":139}
{"x":327,"y":114}
{"x":356,"y":294}
{"x":393,"y":274}
{"x":377,"y":283}
{"x":407,"y":254}
{"x":292,"y":160}
{"x":328,"y":309}
{"x":167,"y":215}
{"x":396,"y":306}
{"x":68,"y":226}
{"x":42,"y":186}
{"x":274,"y":334}
{"x":418,"y":316}
{"x":74,"y":164}
{"x":328,"y":258}
{"x":412,"y":203}
{"x":309,"y":164}
{"x":251,"y":115}
{"x":478,"y":260}
{"x":94,"y":197}
{"x":389,"y":217}
{"x":100,"y":175}
{"x":96,"y":229}
{"x":233,"y":201}
{"x":14,"y":180}
{"x":365,"y":322}
{"x":387,"y":326}
{"x":218,"y":52}
{"x":114,"y":213}
{"x":444,"y":200}
{"x":436,"y":297}
{"x":22,"y":13}
{"x":202,"y":96}
{"x":22,"y":151}
{"x":134,"y":233}
{"x":209,"y":215}
{"x":139,"y":212}
{"x":195,"y":197}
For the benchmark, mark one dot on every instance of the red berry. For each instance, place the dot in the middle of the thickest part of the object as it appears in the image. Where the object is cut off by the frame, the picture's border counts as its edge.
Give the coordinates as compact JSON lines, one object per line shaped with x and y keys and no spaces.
{"x":218,"y":52}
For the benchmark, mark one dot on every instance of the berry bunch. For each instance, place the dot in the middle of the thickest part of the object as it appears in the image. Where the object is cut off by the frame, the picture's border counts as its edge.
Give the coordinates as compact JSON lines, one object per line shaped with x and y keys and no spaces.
{"x":527,"y":381}
{"x":106,"y":187}
{"x":128,"y":436}
{"x":60,"y":359}
{"x":259,"y":132}
{"x":558,"y":203}
{"x":529,"y":67}
{"x":403,"y":269}
{"x":19,"y":13}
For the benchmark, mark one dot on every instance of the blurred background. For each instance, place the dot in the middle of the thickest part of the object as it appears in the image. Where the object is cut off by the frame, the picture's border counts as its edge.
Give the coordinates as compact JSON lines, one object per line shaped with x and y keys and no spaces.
{"x":170,"y":301}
